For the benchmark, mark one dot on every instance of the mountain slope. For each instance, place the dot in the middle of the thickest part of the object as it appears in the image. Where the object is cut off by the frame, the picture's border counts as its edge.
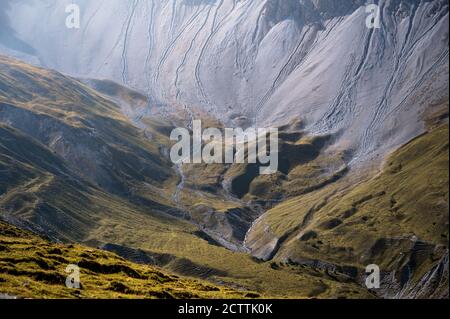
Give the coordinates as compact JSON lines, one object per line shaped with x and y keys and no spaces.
{"x":261,"y":62}
{"x":87,"y":160}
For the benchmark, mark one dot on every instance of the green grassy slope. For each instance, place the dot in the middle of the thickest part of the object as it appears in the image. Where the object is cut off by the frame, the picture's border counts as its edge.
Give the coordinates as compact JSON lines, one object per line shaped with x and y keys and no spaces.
{"x":31,"y":267}
{"x":397,"y":219}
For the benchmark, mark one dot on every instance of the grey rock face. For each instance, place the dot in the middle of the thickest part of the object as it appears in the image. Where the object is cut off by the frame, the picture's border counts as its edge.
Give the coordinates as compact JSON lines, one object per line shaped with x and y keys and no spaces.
{"x":266,"y":61}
